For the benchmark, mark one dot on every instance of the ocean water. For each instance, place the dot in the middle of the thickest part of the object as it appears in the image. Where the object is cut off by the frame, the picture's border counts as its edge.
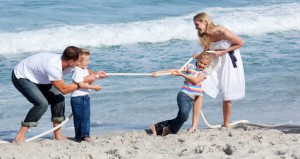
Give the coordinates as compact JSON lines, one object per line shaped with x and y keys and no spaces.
{"x":145,"y":36}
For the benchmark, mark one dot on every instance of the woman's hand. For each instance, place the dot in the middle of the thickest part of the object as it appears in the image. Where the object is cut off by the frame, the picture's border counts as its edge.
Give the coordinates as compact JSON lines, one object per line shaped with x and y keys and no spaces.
{"x":195,"y":55}
{"x":220,"y":52}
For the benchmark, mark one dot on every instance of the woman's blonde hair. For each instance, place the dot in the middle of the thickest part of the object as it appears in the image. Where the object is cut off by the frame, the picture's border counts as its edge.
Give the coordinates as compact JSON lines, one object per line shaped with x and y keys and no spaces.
{"x":204,"y":40}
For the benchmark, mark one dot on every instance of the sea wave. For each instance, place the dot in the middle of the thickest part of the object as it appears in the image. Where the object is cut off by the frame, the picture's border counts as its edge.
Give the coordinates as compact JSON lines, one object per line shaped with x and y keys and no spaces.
{"x":247,"y":21}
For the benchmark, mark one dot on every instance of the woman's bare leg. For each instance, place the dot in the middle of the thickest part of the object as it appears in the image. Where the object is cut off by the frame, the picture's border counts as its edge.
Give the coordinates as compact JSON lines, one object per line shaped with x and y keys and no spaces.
{"x":226,"y":113}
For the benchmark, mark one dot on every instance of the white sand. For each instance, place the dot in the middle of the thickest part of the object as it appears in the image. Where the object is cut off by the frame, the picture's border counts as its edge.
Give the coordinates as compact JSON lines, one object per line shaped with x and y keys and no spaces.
{"x":243,"y":142}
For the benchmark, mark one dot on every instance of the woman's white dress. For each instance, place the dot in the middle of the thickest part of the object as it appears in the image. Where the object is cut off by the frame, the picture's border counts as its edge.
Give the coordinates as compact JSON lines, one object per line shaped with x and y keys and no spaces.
{"x":224,"y":77}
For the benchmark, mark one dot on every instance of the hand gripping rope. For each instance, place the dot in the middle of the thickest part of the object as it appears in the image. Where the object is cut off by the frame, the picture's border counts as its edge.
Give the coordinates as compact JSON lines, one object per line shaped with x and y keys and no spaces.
{"x":244,"y":122}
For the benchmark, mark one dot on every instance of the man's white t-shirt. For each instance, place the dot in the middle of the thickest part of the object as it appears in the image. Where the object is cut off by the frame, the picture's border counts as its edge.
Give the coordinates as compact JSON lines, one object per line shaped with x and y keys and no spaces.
{"x":41,"y":68}
{"x":78,"y":76}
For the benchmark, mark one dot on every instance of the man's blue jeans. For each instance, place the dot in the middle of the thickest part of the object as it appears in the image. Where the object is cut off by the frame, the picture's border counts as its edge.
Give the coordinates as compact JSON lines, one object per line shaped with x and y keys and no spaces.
{"x":40,"y":95}
{"x":81,"y":116}
{"x":185,"y":104}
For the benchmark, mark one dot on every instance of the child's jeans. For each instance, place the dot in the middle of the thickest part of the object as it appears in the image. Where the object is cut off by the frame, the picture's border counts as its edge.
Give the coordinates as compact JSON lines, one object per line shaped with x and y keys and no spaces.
{"x":81,"y":115}
{"x":185,"y":104}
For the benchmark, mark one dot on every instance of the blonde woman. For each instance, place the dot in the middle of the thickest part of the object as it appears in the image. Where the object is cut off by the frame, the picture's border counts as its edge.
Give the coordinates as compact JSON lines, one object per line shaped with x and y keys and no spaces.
{"x":229,"y":75}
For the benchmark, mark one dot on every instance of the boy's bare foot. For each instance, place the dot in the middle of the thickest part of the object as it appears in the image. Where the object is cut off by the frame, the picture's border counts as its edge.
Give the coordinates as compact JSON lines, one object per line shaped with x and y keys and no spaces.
{"x":165,"y":131}
{"x":88,"y":139}
{"x":191,"y":130}
{"x":153,"y":130}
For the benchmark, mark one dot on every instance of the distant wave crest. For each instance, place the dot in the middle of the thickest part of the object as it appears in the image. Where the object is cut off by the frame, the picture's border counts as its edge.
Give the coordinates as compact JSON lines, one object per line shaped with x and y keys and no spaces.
{"x":249,"y":21}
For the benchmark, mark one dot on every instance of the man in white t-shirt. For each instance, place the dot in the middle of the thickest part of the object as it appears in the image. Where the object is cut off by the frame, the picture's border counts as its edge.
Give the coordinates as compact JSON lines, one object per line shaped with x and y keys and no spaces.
{"x":39,"y":79}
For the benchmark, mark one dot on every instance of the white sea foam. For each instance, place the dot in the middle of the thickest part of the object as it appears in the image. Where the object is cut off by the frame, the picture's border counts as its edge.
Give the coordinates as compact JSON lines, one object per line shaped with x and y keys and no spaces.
{"x":259,"y":20}
{"x":249,"y":21}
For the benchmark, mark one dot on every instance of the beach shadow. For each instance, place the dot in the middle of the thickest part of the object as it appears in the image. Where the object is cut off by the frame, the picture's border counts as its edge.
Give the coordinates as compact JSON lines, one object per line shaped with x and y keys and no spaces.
{"x":292,"y":131}
{"x":287,"y":129}
{"x":5,"y":141}
{"x":73,"y":139}
{"x":8,"y":140}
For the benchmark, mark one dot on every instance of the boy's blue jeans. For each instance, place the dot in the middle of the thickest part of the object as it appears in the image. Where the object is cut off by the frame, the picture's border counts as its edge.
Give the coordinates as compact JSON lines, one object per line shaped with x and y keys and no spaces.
{"x":40,"y":95}
{"x":81,"y":116}
{"x":185,"y":104}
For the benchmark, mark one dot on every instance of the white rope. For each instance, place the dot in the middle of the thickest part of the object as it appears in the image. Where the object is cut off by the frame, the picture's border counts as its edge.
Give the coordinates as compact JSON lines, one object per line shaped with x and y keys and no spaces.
{"x":246,"y":122}
{"x":147,"y":74}
{"x":134,"y":74}
{"x":128,"y":74}
{"x":188,"y":61}
{"x":218,"y":126}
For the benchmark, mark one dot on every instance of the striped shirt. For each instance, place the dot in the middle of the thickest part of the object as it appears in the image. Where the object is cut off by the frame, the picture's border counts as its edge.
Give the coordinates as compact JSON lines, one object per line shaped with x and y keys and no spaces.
{"x":190,"y":88}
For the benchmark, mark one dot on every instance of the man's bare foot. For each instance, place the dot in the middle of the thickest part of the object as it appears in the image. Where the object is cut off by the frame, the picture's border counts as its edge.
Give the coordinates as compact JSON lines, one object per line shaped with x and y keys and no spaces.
{"x":60,"y":138}
{"x":18,"y":141}
{"x":153,"y":130}
{"x":88,"y":139}
{"x":165,"y":131}
{"x":20,"y":137}
{"x":191,"y":130}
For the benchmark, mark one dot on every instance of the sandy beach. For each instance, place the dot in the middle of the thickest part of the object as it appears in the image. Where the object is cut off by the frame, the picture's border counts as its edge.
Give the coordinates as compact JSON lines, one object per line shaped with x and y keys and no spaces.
{"x":238,"y":142}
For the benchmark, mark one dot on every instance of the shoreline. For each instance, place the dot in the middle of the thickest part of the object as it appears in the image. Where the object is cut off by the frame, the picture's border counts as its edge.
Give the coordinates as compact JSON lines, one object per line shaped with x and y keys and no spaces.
{"x":237,"y":142}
